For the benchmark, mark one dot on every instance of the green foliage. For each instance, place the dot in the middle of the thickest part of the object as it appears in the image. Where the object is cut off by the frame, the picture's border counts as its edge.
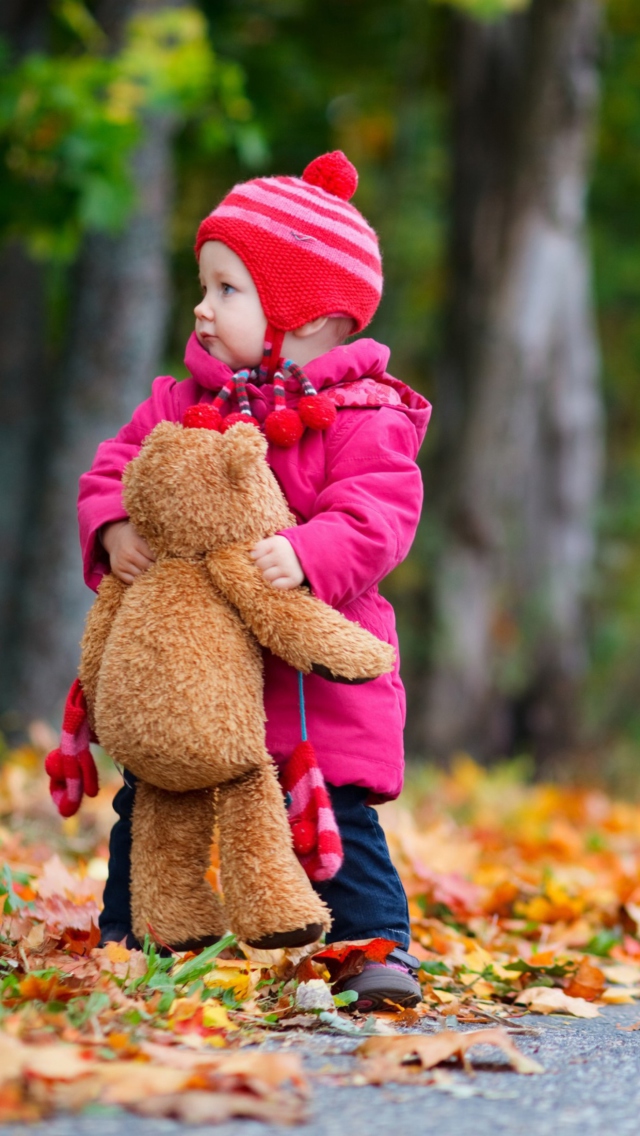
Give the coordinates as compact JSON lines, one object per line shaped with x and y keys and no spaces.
{"x":487,"y":9}
{"x":12,"y":901}
{"x":170,"y":976}
{"x":69,"y":121}
{"x":612,"y":708}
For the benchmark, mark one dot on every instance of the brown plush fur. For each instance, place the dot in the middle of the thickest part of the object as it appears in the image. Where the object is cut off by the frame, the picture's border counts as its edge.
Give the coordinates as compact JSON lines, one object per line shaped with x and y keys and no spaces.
{"x":173,"y":678}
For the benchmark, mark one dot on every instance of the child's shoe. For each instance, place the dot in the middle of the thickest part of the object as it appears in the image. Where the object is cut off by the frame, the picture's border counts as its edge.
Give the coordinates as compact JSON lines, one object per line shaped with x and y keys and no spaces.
{"x":380,"y":983}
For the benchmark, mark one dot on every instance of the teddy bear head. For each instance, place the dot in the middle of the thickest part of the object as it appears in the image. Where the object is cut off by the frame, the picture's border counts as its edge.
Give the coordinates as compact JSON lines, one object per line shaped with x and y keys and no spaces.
{"x":192,"y":490}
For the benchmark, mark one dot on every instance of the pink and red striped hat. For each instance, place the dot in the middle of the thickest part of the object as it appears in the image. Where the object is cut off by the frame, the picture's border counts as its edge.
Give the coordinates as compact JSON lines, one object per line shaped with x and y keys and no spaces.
{"x":309,"y":251}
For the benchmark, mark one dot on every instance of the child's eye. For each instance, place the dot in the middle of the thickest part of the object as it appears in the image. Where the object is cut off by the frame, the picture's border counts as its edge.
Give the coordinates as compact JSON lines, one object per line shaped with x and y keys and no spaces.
{"x":203,"y":289}
{"x":227,"y":289}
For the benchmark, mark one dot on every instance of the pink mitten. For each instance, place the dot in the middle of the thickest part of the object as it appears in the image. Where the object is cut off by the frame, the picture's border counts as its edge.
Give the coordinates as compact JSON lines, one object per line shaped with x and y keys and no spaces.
{"x":71,"y":767}
{"x":316,"y":837}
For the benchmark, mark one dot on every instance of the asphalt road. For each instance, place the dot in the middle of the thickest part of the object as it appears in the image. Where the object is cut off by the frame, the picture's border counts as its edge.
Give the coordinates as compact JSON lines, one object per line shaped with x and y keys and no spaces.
{"x":591,"y":1086}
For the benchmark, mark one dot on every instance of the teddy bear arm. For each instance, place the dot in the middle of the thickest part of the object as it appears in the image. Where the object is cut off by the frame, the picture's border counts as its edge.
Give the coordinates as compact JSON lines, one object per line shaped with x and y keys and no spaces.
{"x":96,"y":632}
{"x":296,"y":626}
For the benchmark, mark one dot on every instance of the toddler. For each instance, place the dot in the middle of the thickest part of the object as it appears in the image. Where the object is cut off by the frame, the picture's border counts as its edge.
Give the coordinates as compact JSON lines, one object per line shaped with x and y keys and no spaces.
{"x":288,"y":270}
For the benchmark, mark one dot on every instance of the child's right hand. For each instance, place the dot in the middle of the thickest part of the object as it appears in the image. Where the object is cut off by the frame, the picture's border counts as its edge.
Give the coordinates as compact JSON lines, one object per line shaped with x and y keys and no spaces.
{"x":129,"y":553}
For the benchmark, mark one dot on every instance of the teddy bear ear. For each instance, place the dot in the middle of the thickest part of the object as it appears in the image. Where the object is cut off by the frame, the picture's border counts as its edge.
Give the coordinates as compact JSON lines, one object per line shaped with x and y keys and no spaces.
{"x":242,"y":447}
{"x":156,"y":442}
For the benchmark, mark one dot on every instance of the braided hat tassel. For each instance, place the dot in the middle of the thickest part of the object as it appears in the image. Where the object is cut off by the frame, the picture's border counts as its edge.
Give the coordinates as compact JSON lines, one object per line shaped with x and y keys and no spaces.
{"x":240,"y":380}
{"x":284,"y":427}
{"x":316,"y":410}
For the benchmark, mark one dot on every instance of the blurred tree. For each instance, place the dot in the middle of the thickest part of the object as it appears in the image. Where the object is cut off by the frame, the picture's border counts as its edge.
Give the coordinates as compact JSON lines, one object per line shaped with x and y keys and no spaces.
{"x":519,"y":402}
{"x":612,"y":702}
{"x":87,"y":134}
{"x":23,"y":28}
{"x":472,"y":135}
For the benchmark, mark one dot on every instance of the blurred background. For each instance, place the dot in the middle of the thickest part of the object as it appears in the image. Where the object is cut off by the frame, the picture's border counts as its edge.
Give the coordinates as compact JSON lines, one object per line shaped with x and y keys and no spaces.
{"x":498,"y":146}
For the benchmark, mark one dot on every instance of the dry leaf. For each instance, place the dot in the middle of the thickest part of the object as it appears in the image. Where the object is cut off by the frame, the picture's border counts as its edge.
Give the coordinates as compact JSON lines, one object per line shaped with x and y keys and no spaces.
{"x":549,"y":1000}
{"x":588,"y":982}
{"x":620,"y":995}
{"x":389,"y":1058}
{"x":198,"y":1107}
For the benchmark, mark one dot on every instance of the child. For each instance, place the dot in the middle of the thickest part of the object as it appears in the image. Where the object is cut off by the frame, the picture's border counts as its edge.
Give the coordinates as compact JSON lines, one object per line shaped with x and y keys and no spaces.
{"x":289,"y":268}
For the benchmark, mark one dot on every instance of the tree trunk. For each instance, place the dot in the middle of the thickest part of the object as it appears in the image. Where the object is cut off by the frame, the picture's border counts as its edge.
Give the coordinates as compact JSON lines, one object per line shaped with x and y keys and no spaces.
{"x":520,"y":410}
{"x":24,"y":372}
{"x":120,"y":304}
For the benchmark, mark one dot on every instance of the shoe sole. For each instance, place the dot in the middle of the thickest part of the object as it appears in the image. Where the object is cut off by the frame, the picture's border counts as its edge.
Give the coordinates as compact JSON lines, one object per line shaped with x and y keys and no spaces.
{"x":373,"y":996}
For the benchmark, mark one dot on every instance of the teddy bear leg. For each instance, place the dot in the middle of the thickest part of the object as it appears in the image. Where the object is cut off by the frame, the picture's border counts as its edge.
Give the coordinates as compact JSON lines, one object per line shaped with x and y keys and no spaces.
{"x":268,"y":898}
{"x":170,"y":897}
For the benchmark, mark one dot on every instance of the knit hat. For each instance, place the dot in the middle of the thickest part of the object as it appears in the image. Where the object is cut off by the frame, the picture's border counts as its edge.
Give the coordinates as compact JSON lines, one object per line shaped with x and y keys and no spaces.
{"x":310,"y":253}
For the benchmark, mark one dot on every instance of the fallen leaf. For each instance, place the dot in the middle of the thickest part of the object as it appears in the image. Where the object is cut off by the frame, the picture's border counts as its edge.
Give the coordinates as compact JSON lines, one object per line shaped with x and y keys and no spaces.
{"x":620,"y":995}
{"x":391,"y":1057}
{"x":588,"y":982}
{"x":198,"y":1107}
{"x":622,"y":975}
{"x":229,"y":974}
{"x":215,"y":1016}
{"x":344,"y":960}
{"x":549,"y":1000}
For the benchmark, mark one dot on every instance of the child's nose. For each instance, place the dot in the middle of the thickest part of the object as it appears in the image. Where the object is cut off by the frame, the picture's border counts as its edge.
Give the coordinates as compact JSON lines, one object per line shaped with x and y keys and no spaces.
{"x":203,"y":309}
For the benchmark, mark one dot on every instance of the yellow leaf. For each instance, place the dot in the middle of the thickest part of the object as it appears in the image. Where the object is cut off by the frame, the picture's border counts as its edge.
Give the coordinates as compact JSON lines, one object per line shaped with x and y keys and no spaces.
{"x":505,"y":974}
{"x":116,"y":953}
{"x":235,"y":978}
{"x":622,"y":975}
{"x":478,"y":959}
{"x":215,"y":1016}
{"x":443,"y":996}
{"x":483,"y":989}
{"x":620,"y":995}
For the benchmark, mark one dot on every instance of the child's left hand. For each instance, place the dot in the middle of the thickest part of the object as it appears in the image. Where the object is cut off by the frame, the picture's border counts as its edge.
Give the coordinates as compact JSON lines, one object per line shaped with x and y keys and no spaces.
{"x":278,"y":562}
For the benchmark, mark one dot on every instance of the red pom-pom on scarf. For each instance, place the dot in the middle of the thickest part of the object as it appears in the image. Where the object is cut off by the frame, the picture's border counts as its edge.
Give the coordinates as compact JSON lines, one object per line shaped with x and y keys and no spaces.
{"x":202,"y":416}
{"x":283,"y":428}
{"x":317,"y":411}
{"x":233,"y":419}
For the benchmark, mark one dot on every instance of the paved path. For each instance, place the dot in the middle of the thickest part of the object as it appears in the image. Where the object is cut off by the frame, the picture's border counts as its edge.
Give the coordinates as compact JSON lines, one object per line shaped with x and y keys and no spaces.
{"x":591,"y":1087}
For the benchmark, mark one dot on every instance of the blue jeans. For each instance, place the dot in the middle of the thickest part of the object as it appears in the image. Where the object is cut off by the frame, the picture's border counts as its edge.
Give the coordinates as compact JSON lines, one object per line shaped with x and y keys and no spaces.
{"x":366,"y":898}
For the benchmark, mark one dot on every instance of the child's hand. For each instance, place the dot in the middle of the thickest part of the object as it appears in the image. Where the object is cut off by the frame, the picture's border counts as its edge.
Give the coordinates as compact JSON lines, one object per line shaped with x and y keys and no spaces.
{"x":278,"y":562}
{"x":129,"y":553}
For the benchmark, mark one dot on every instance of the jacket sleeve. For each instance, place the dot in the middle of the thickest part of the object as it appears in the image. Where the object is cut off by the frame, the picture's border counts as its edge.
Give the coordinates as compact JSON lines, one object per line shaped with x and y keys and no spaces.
{"x":365,"y":517}
{"x":100,"y":495}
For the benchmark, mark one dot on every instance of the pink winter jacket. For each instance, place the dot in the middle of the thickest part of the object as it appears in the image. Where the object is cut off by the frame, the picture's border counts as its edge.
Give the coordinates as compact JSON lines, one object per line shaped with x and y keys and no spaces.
{"x":356,"y":493}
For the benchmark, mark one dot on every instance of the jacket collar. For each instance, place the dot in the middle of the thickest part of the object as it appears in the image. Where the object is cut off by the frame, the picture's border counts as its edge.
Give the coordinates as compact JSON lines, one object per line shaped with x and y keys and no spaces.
{"x":341,"y":365}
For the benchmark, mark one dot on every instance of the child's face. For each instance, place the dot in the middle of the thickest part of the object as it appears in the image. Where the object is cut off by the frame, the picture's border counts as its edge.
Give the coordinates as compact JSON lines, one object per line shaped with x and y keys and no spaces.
{"x":230,"y":322}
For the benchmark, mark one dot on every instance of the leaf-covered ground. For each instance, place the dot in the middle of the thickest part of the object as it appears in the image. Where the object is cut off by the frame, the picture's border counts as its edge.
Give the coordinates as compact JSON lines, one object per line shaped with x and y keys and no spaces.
{"x":523,"y":899}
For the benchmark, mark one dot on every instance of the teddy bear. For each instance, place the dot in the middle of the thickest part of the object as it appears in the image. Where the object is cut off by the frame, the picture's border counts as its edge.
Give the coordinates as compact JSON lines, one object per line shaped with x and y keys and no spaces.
{"x":171,"y":667}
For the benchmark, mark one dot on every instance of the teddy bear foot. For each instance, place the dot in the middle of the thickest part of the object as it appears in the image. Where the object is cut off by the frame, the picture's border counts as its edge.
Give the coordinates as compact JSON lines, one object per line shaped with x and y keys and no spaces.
{"x":198,"y":944}
{"x":299,"y":938}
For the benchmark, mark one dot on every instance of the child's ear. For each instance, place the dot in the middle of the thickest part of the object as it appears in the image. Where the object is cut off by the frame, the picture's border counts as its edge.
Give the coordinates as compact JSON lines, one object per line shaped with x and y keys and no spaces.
{"x":310,"y":328}
{"x":242,"y":447}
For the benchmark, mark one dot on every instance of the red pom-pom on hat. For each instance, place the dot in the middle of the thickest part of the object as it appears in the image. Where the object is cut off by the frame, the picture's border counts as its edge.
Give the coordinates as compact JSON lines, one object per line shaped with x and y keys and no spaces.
{"x":334,"y":173}
{"x":202,"y":416}
{"x":283,"y":428}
